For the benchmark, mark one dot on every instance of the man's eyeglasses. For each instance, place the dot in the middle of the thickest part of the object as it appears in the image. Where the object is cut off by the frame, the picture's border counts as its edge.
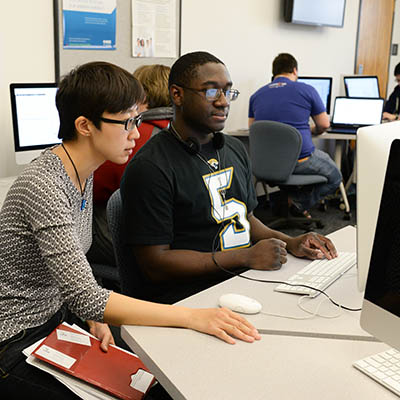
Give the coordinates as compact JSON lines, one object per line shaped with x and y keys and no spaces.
{"x":129,"y":124}
{"x":214,"y":94}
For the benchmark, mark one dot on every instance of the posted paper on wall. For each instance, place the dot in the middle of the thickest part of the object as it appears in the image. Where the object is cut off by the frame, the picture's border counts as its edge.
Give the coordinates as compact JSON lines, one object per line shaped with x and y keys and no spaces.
{"x":89,"y":24}
{"x":154,"y":28}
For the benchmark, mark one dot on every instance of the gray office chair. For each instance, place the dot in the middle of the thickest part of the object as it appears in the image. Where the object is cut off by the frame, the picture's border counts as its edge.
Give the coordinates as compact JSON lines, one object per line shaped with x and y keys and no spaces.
{"x":274,"y":151}
{"x":130,"y":277}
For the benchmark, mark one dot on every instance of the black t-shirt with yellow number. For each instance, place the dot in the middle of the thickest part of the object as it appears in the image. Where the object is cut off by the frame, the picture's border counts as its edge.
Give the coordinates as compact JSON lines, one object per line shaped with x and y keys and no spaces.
{"x":187,"y":201}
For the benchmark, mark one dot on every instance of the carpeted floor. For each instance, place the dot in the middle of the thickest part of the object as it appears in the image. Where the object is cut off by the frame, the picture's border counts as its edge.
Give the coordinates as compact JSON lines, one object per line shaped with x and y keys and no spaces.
{"x":332,"y":219}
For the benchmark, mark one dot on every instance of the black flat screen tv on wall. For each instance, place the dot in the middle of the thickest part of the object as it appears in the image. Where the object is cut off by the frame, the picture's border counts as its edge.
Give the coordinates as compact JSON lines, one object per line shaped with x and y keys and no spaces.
{"x":315,"y":12}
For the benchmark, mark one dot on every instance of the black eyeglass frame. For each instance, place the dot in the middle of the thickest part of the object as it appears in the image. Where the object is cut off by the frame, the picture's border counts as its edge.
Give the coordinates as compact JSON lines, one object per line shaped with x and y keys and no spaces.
{"x":136,"y":120}
{"x":211,"y":99}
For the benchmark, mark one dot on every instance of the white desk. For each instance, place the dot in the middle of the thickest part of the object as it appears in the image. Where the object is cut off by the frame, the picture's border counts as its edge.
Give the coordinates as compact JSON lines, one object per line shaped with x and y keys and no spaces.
{"x":305,"y":361}
{"x":344,"y":291}
{"x":5,"y":184}
{"x":194,"y":366}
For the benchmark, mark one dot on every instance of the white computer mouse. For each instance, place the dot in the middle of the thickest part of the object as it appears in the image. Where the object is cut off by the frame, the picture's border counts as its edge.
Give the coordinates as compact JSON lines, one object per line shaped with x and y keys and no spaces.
{"x":240,"y":303}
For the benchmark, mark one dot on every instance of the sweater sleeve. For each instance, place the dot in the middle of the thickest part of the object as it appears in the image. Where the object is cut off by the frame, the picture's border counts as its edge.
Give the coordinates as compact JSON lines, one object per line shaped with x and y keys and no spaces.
{"x":56,"y":223}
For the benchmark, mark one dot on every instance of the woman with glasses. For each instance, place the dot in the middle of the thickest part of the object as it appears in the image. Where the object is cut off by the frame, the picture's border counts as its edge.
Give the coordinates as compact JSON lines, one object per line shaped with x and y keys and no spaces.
{"x":107,"y":178}
{"x":45,"y":231}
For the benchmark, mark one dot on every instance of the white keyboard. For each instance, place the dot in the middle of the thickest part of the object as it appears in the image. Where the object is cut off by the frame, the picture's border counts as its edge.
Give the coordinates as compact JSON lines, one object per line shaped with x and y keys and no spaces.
{"x":384,"y":368}
{"x":318,"y":274}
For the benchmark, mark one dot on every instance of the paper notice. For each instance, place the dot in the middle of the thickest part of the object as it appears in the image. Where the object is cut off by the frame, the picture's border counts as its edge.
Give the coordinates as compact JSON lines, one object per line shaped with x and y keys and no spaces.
{"x":73,"y":337}
{"x":55,"y":356}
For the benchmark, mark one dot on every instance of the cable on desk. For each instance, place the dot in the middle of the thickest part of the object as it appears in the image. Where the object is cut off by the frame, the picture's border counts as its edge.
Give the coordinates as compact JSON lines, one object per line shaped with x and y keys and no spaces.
{"x":312,"y":313}
{"x":215,"y":248}
{"x":284,"y":282}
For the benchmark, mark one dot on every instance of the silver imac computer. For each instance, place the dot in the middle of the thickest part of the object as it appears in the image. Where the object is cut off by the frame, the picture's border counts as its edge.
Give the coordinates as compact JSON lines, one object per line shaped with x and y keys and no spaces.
{"x":373,"y":147}
{"x":323,"y":85}
{"x":361,"y":86}
{"x":381,"y":306}
{"x":380,"y":313}
{"x":35,"y":119}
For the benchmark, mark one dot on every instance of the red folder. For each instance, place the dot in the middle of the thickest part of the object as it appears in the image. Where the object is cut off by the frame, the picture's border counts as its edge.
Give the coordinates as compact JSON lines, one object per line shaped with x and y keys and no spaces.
{"x":109,"y":371}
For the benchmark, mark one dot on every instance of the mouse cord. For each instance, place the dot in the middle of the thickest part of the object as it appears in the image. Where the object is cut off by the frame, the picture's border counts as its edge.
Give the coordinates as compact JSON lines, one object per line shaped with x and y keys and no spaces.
{"x":313,"y":314}
{"x":279,"y":282}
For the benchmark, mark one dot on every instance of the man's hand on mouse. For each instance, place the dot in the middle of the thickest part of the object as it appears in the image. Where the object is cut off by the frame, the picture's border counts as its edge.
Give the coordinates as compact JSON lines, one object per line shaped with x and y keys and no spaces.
{"x":312,"y":245}
{"x":267,"y":254}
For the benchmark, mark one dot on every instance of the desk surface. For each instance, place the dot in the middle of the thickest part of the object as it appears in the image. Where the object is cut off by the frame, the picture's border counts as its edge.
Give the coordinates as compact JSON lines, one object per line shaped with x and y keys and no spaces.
{"x":344,"y":291}
{"x":325,"y":135}
{"x":308,"y":355}
{"x":194,"y":366}
{"x":337,"y":136}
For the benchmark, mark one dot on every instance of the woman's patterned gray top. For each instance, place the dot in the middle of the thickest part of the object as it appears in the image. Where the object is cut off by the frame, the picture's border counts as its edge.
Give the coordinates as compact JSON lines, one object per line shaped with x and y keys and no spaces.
{"x":44,"y":236}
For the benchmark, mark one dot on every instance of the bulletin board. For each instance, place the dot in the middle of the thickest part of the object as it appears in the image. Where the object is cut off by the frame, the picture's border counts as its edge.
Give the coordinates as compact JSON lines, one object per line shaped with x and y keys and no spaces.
{"x":66,"y":59}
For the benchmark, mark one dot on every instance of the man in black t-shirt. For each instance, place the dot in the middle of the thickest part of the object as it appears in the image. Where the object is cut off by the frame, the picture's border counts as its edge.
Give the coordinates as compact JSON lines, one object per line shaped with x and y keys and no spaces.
{"x":188,"y":196}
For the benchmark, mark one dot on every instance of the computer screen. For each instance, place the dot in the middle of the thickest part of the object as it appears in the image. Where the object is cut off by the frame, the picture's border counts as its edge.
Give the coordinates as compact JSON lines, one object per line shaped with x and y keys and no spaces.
{"x":357,"y":111}
{"x":323,"y":85}
{"x":373,"y":146}
{"x":381,"y":306}
{"x":361,"y":86}
{"x":320,"y":13}
{"x":35,"y":118}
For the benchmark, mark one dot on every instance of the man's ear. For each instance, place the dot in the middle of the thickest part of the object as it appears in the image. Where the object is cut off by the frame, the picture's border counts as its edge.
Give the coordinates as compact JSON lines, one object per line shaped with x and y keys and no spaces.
{"x":176,"y":93}
{"x":83,"y":126}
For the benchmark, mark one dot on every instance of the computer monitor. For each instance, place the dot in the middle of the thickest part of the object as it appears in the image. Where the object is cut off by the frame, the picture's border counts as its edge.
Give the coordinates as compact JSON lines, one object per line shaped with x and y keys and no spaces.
{"x":357,"y":111}
{"x":35,"y":119}
{"x":373,"y":145}
{"x":381,"y":306}
{"x":361,"y":86}
{"x":323,"y":85}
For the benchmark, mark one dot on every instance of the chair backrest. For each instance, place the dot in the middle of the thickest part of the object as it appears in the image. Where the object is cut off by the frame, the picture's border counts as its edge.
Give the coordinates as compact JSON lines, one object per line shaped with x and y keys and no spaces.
{"x":274,"y":150}
{"x":129,"y":276}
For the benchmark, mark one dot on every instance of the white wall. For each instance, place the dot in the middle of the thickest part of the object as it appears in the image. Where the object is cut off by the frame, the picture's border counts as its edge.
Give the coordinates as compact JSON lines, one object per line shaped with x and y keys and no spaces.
{"x":248,"y":35}
{"x":26,"y":55}
{"x":245,"y":35}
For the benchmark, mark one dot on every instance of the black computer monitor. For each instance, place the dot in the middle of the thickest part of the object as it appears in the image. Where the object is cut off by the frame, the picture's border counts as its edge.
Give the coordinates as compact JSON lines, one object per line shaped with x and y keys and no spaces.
{"x":323,"y":85}
{"x":361,"y":86}
{"x":35,"y":118}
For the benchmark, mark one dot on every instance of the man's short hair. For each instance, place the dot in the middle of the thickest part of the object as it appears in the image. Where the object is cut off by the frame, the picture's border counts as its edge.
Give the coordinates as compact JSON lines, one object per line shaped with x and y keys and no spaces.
{"x":397,"y":69}
{"x":92,"y":89}
{"x":154,"y":79}
{"x":283,"y":63}
{"x":184,"y":69}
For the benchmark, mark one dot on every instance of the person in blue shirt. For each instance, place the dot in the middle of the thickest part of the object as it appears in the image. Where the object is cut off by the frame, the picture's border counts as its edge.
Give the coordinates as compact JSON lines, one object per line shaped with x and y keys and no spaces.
{"x":288,"y":101}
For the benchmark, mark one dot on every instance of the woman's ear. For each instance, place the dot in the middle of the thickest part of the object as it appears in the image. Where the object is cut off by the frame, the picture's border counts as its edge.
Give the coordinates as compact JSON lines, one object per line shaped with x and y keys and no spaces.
{"x":83,"y":126}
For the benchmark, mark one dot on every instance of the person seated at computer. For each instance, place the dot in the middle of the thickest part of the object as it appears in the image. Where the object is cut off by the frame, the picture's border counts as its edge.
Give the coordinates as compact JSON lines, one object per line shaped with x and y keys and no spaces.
{"x":107,"y":178}
{"x":293,"y":103}
{"x":391,"y":109}
{"x":45,"y":230}
{"x":188,"y":196}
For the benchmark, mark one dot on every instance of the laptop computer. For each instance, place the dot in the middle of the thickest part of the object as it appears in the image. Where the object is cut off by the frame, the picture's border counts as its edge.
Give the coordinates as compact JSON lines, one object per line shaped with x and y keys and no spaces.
{"x":351,"y":113}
